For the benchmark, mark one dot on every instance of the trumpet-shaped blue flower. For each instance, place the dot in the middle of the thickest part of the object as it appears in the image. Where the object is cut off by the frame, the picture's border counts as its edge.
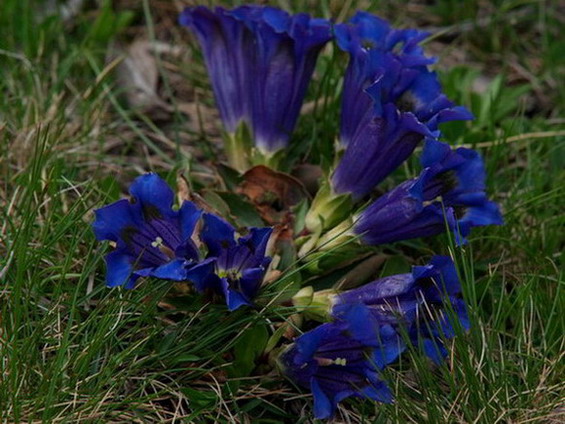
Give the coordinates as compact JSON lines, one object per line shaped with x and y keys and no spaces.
{"x":450,"y":192}
{"x":232,"y":269}
{"x":425,"y":302}
{"x":386,"y":138}
{"x":224,"y":40}
{"x":371,"y":42}
{"x":391,"y":102}
{"x":260,"y":61}
{"x":152,"y":239}
{"x":341,"y":359}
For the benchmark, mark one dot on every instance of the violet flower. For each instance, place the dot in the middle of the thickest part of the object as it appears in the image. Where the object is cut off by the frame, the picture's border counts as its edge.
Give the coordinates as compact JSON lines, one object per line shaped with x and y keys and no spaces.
{"x":341,"y":359}
{"x":391,"y":102}
{"x":233,"y":269}
{"x":426,"y":303}
{"x":152,"y":239}
{"x":449,"y":193}
{"x":260,"y":61}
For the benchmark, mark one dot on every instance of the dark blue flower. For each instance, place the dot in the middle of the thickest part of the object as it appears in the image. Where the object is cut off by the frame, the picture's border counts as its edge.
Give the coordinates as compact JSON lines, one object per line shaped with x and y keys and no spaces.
{"x":225,"y":42}
{"x":370,"y":42}
{"x":152,"y":239}
{"x":260,"y":61}
{"x":391,"y":102}
{"x":426,"y":303}
{"x":232,"y":269}
{"x":449,"y":193}
{"x":343,"y":358}
{"x":385,"y":140}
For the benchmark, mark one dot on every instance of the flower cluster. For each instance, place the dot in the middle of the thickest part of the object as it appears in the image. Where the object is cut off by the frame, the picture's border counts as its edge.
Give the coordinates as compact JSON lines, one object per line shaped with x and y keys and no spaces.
{"x":369,"y":329}
{"x":391,"y":103}
{"x":260,"y":61}
{"x":154,"y":240}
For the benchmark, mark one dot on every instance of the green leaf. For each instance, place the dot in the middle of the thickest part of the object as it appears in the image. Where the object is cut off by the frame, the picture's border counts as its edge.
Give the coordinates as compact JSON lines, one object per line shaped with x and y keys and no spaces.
{"x":395,"y":265}
{"x":286,"y":249}
{"x":215,"y":201}
{"x":300,"y":211}
{"x":247,"y":349}
{"x":230,"y":176}
{"x":275,"y":338}
{"x":330,"y":260}
{"x":243,"y":213}
{"x":187,"y":358}
{"x":202,"y":398}
{"x":108,"y":23}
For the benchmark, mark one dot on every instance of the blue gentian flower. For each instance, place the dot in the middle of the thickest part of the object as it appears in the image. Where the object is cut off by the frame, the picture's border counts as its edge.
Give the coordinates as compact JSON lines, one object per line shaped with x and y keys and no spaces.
{"x":224,"y":40}
{"x":260,"y":61}
{"x":425,"y":302}
{"x":152,"y":239}
{"x":343,"y":358}
{"x":385,"y":140}
{"x":233,"y":268}
{"x":370,"y":42}
{"x":450,"y":190}
{"x":391,"y":102}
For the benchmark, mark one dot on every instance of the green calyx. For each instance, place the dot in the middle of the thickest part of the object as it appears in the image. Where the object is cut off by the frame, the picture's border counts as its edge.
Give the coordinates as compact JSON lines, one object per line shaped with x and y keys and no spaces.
{"x":313,"y":305}
{"x":327,"y":209}
{"x":238,"y":147}
{"x":271,"y":160}
{"x":339,"y":235}
{"x":243,"y":154}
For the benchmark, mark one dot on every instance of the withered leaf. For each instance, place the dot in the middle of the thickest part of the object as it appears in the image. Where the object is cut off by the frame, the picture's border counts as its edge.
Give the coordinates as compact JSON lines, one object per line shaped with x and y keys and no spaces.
{"x":273,"y":193}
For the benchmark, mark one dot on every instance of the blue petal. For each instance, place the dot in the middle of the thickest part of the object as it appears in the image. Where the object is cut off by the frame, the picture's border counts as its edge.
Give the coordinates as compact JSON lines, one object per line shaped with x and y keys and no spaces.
{"x":378,"y":391}
{"x":202,"y":275}
{"x":112,"y":219}
{"x":376,"y":52}
{"x":434,"y":152}
{"x":388,"y":217}
{"x":189,"y":215}
{"x":380,"y":146}
{"x":250,"y":281}
{"x":447,"y":274}
{"x":260,"y":61}
{"x":376,"y":291}
{"x":187,"y":250}
{"x":276,"y":18}
{"x":234,"y":299}
{"x":225,"y":44}
{"x":154,"y":196}
{"x":251,"y":249}
{"x":389,"y":347}
{"x":323,"y":407}
{"x":361,"y":323}
{"x":309,"y":342}
{"x":119,"y":270}
{"x":217,"y":234}
{"x":258,"y":239}
{"x":487,"y":214}
{"x":434,"y":350}
{"x":452,"y":186}
{"x":174,"y":270}
{"x":441,"y":270}
{"x":454,"y":315}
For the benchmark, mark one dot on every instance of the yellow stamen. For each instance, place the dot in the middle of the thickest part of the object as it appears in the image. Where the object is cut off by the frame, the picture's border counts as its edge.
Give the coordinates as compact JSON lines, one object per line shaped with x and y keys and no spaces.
{"x":158,"y":242}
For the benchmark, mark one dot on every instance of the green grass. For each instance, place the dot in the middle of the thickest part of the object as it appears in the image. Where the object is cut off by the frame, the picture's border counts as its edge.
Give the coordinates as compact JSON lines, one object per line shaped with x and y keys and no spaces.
{"x":72,"y":350}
